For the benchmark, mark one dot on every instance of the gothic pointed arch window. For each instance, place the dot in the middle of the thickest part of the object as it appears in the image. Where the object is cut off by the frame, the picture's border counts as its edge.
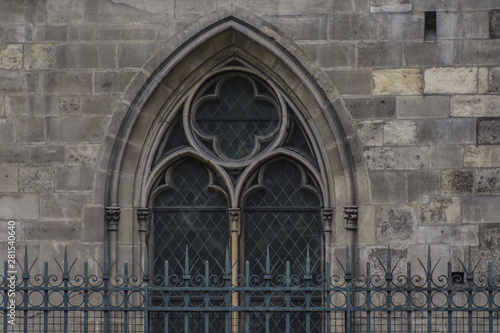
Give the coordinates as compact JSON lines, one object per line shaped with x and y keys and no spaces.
{"x":235,"y":171}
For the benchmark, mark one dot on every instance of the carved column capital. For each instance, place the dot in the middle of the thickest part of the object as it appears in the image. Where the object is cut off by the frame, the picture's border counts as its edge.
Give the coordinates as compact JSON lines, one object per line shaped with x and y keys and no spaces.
{"x":142,"y":218}
{"x":351,"y":217}
{"x":234,"y":219}
{"x":327,"y":216}
{"x":113,"y":217}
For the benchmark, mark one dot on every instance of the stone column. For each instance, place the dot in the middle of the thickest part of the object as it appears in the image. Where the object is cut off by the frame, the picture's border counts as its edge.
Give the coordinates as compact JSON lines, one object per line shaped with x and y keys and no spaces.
{"x":142,"y":219}
{"x":112,"y":217}
{"x":327,"y":217}
{"x":351,"y":226}
{"x":235,"y":229}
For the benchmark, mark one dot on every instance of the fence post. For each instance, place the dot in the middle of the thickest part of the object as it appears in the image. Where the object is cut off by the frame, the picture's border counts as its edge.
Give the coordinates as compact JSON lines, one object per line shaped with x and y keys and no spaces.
{"x":348,"y":279}
{"x":145,"y":279}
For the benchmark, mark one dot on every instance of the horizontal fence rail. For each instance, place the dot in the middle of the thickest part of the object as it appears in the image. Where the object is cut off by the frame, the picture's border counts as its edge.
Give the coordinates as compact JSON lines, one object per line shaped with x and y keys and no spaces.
{"x":381,"y":296}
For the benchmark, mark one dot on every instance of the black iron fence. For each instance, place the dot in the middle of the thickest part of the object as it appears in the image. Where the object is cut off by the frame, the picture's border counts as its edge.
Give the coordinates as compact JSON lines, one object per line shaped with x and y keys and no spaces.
{"x":385,"y":297}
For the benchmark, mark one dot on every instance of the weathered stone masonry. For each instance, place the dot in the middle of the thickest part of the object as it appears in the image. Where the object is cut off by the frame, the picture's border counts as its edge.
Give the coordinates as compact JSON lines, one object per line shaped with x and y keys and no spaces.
{"x":420,"y":118}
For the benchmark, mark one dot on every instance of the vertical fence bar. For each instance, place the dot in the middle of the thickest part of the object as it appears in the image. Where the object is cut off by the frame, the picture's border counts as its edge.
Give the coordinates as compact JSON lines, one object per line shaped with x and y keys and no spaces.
{"x":267,"y":279}
{"x":105,"y":281}
{"x":247,"y":296}
{"x":429,"y":293}
{"x":408,"y":297}
{"x":287,"y":297}
{"x":470,"y":279}
{"x":450,"y":299}
{"x":206,"y":295}
{"x":368,"y":298}
{"x":308,"y":279}
{"x":66,"y":284}
{"x":328,"y":302}
{"x":85,"y":297}
{"x":347,"y":279}
{"x":186,"y":277}
{"x":166,"y":297}
{"x":125,"y":297}
{"x":490,"y":296}
{"x":26,"y":279}
{"x":227,"y":296}
{"x":46,"y":297}
{"x":145,"y":279}
{"x":388,"y":281}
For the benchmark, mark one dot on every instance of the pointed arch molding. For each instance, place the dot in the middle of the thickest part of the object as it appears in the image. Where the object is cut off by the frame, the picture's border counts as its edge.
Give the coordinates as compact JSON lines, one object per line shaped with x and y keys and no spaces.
{"x":258,"y":44}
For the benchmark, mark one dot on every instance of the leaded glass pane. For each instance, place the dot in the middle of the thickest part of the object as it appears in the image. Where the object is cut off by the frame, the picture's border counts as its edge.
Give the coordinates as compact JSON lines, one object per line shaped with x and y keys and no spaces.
{"x":189,"y":210}
{"x":238,"y":119}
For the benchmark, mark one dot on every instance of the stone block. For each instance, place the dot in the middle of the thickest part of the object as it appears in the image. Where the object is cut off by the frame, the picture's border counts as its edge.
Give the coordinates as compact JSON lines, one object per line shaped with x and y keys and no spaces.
{"x":112,"y":81}
{"x":435,"y":5}
{"x":39,"y":56}
{"x":310,"y":7}
{"x":441,"y":210}
{"x":489,"y":236}
{"x":400,"y":133}
{"x":494,"y":81}
{"x":6,"y":130}
{"x":300,"y":27}
{"x":22,"y":33}
{"x":388,"y":186}
{"x":9,"y":178}
{"x":410,"y":158}
{"x":100,"y":104}
{"x":482,"y":52}
{"x":494,"y":23}
{"x":63,"y":205}
{"x":482,"y":156}
{"x":484,"y":4}
{"x":81,"y":33}
{"x":19,"y":206}
{"x":94,"y":224}
{"x":69,"y":105}
{"x":135,"y":55}
{"x":2,"y":106}
{"x":74,"y":178}
{"x":436,"y":53}
{"x":36,"y":179}
{"x":391,"y":8}
{"x":331,"y":54}
{"x":52,"y":231}
{"x":395,"y":225}
{"x":423,"y":107}
{"x":352,"y":27}
{"x":448,"y":25}
{"x":366,"y":108}
{"x":488,"y":131}
{"x":76,"y":129}
{"x":446,"y":80}
{"x":65,"y":12}
{"x":379,"y":158}
{"x":488,"y":181}
{"x":380,"y":54}
{"x":85,"y":56}
{"x":475,"y":24}
{"x":457,"y":182}
{"x":457,"y":236}
{"x":11,"y":56}
{"x":348,"y":82}
{"x":17,"y":82}
{"x":47,"y":154}
{"x":397,"y":82}
{"x":82,"y":154}
{"x":14,"y":154}
{"x":480,"y":209}
{"x":422,"y":184}
{"x":482,"y":81}
{"x":400,"y":26}
{"x":51,"y":33}
{"x":446,"y":157}
{"x":67,"y":82}
{"x":446,"y":131}
{"x":370,"y":133}
{"x":475,"y":106}
{"x":12,"y":12}
{"x":30,"y":130}
{"x":120,"y":33}
{"x":30,"y":105}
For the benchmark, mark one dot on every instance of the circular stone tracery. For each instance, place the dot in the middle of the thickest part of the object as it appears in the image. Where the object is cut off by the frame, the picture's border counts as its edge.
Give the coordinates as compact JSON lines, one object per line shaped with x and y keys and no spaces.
{"x":235,"y":116}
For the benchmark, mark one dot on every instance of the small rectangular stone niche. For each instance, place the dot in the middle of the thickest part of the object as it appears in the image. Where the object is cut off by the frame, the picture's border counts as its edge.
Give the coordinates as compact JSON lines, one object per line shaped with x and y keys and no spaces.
{"x":430,"y":26}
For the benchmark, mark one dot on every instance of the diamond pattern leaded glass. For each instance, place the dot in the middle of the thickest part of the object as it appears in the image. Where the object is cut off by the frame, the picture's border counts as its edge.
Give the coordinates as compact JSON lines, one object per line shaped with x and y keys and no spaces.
{"x":189,"y":210}
{"x":282,"y":211}
{"x":239,"y":119}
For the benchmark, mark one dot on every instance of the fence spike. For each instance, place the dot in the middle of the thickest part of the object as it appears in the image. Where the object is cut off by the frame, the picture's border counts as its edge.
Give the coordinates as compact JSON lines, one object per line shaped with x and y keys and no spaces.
{"x":469,"y":268}
{"x":146,"y":261}
{"x":26,"y":267}
{"x":389,"y":270}
{"x":65,"y":259}
{"x":348,"y":262}
{"x":308,"y":262}
{"x":106,"y":260}
{"x":125,"y":273}
{"x":227,"y":261}
{"x":429,"y":260}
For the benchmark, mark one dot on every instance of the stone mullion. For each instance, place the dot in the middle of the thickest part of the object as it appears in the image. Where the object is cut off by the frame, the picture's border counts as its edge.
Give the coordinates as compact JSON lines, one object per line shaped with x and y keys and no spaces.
{"x":327,"y":217}
{"x":112,"y":218}
{"x":142,"y":219}
{"x":235,"y":229}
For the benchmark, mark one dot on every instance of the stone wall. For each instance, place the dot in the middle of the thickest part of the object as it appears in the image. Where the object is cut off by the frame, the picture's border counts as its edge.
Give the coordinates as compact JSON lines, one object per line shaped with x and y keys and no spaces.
{"x":425,"y":113}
